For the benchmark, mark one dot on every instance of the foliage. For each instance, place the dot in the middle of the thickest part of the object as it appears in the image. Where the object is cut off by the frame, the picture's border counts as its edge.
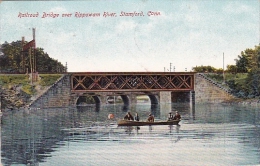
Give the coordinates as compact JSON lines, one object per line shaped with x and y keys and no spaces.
{"x":242,"y":63}
{"x":244,"y":85}
{"x":203,"y":69}
{"x":13,"y":80}
{"x":29,"y":89}
{"x":90,"y":100}
{"x":252,"y":87}
{"x":85,"y":100}
{"x":48,"y":79}
{"x":248,"y":60}
{"x":234,"y":81}
{"x":252,"y":82}
{"x":11,"y":60}
{"x":231,"y":69}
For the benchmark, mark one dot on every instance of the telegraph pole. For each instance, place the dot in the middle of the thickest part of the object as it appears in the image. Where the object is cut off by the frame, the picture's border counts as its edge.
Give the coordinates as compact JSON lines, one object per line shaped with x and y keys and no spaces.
{"x":23,"y":58}
{"x":31,"y":65}
{"x":170,"y":67}
{"x":223,"y":70}
{"x":34,"y":50}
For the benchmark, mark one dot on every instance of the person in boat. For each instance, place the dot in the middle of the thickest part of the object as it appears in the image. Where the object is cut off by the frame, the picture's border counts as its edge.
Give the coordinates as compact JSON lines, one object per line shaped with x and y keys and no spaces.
{"x":170,"y":117}
{"x":136,"y":117}
{"x":150,"y":118}
{"x":177,"y":116}
{"x":128,"y":116}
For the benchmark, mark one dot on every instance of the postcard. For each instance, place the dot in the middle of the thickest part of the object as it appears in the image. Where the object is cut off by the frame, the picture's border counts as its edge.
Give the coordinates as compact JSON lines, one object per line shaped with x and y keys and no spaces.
{"x":136,"y":82}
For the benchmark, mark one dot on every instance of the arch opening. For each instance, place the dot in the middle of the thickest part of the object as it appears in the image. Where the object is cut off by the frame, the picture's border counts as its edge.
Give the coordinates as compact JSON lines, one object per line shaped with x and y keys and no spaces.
{"x":85,"y":100}
{"x":153,"y":99}
{"x":125,"y":99}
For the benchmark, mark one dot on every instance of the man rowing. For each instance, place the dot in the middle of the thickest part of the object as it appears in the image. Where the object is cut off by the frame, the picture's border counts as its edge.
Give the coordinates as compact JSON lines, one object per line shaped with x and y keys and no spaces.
{"x":177,"y":116}
{"x":150,"y":118}
{"x":128,"y":116}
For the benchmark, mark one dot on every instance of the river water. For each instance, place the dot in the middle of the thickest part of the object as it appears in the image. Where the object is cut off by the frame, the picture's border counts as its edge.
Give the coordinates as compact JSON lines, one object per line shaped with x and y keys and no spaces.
{"x":83,"y":136}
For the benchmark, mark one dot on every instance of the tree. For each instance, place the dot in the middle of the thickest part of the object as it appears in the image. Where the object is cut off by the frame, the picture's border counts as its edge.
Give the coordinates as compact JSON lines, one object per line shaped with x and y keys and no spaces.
{"x":242,"y":63}
{"x":231,"y":68}
{"x":203,"y":69}
{"x":11,"y":59}
{"x":253,"y":78}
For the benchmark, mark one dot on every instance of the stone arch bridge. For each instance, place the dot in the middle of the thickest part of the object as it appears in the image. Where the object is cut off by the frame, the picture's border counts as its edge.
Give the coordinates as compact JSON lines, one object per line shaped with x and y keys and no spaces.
{"x":160,"y":87}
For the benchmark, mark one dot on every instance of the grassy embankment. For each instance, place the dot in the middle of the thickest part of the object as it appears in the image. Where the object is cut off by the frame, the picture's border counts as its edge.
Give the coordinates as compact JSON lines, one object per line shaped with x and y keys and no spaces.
{"x":9,"y":81}
{"x":239,"y":78}
{"x":236,"y":82}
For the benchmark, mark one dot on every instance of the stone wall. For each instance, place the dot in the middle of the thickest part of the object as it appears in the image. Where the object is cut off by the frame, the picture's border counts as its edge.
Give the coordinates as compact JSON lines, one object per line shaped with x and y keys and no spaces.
{"x":207,"y":91}
{"x":57,"y":95}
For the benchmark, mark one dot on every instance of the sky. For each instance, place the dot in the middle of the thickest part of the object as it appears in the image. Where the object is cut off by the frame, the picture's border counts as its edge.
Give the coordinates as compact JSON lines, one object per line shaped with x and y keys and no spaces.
{"x":180,"y":35}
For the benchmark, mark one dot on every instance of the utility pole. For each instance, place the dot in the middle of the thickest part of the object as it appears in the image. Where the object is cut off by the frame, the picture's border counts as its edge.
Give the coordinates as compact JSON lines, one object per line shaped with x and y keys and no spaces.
{"x":30,"y":56}
{"x":170,"y":67}
{"x":23,"y":58}
{"x":34,"y":47}
{"x":34,"y":76}
{"x":223,"y":70}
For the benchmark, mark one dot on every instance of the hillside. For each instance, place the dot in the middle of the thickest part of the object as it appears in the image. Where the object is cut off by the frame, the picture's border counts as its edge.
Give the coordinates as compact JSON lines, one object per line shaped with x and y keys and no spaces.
{"x":17,"y":91}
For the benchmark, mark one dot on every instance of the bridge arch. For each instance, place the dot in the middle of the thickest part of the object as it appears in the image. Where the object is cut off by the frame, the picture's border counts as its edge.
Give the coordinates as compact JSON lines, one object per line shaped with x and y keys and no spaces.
{"x":97,"y":99}
{"x":125,"y":99}
{"x":83,"y":100}
{"x":153,"y":99}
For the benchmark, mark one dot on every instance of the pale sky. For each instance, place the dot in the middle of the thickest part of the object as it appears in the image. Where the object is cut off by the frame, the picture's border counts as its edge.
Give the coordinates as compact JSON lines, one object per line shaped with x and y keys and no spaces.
{"x":187,"y":33}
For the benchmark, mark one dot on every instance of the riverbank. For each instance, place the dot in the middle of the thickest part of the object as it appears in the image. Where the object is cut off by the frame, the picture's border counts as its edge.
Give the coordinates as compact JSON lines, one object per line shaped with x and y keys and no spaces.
{"x":17,"y":92}
{"x":239,"y":101}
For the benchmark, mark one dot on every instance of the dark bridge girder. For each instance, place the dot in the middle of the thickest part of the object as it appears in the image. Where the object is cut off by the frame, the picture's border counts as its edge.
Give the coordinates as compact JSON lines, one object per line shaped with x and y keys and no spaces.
{"x":131,"y":81}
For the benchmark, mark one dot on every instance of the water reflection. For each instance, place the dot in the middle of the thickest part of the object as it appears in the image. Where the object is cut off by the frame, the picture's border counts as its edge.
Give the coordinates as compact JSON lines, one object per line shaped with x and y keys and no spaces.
{"x":35,"y":136}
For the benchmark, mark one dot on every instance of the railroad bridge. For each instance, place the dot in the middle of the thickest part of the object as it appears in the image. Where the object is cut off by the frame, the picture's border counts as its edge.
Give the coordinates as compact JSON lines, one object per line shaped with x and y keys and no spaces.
{"x":160,"y":87}
{"x":157,"y":85}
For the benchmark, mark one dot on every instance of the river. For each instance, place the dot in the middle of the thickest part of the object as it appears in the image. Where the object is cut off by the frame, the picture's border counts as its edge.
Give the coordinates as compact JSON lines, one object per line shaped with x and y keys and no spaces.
{"x":210,"y":134}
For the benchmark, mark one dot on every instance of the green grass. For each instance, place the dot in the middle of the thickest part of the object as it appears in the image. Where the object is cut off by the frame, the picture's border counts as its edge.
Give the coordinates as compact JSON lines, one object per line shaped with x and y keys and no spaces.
{"x":8,"y":81}
{"x":29,"y":89}
{"x":48,"y":79}
{"x":239,"y":77}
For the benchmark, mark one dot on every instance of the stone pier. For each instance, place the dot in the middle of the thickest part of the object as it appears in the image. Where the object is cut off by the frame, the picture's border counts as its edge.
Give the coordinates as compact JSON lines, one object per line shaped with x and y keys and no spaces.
{"x":165,"y":103}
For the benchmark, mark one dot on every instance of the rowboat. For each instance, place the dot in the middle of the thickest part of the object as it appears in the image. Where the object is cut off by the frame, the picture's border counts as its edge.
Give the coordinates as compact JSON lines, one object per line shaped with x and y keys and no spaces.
{"x":142,"y":123}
